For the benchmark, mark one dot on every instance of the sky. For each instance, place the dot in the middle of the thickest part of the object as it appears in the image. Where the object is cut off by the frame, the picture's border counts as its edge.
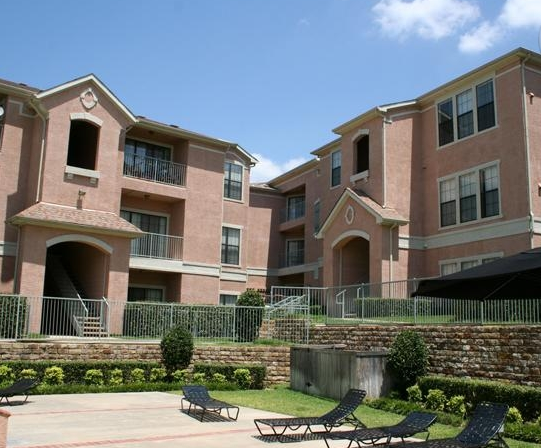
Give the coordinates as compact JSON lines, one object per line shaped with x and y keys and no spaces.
{"x":274,"y":76}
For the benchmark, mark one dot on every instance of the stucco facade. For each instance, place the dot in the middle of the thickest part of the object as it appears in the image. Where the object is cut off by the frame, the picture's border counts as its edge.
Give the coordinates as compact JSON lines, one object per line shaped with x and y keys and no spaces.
{"x":134,"y":209}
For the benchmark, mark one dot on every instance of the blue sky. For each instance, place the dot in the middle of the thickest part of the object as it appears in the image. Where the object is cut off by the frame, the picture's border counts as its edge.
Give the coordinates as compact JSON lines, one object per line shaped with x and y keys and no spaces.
{"x":275,"y":76}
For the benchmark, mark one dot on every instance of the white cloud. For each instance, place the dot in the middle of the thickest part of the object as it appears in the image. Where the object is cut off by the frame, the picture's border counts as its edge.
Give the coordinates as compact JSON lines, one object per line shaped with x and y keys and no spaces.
{"x":521,"y":13}
{"x":303,"y":22}
{"x":267,"y":169}
{"x":429,"y":19}
{"x":480,"y":38}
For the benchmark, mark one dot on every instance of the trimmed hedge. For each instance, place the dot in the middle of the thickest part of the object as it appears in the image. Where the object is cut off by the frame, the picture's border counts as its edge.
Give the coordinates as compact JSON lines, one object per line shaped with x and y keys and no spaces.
{"x":257,"y":371}
{"x":526,"y":399}
{"x":13,"y":316}
{"x":74,"y":372}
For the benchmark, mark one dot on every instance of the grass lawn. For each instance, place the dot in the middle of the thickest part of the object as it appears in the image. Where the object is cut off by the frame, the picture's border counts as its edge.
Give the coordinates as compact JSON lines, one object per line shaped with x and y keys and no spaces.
{"x":286,"y":401}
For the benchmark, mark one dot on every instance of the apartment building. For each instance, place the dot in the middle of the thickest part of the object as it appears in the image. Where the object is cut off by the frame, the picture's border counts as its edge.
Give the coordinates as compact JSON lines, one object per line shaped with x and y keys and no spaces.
{"x":124,"y":207}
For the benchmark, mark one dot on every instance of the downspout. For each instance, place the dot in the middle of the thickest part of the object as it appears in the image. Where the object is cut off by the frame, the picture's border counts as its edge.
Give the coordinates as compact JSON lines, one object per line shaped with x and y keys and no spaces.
{"x":44,"y":117}
{"x":391,"y":260}
{"x":527,"y":149}
{"x":384,"y":121}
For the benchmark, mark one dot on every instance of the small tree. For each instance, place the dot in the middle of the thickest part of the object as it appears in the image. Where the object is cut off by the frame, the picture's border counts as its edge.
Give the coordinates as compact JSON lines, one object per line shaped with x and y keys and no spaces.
{"x":177,"y":349}
{"x":249,"y":315}
{"x":407,"y":359}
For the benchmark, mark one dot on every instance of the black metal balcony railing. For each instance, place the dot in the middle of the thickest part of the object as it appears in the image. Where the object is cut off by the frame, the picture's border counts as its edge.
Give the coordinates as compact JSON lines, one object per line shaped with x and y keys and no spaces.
{"x":155,"y":170}
{"x":153,"y":245}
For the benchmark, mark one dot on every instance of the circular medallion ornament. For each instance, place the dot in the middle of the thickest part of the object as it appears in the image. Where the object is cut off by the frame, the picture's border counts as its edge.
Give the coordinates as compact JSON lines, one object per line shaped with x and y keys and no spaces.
{"x":89,"y":99}
{"x":350,"y":215}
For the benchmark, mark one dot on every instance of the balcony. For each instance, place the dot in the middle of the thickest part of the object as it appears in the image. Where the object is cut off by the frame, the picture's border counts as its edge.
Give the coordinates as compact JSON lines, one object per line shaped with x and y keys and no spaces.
{"x":154,"y":170}
{"x":154,"y":245}
{"x":293,"y":258}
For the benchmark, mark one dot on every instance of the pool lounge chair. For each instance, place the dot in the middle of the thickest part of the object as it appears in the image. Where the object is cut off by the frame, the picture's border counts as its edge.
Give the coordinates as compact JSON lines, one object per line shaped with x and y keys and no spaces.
{"x":483,"y":430}
{"x":198,"y":396}
{"x":342,"y":413}
{"x":413,"y":423}
{"x":20,"y":387}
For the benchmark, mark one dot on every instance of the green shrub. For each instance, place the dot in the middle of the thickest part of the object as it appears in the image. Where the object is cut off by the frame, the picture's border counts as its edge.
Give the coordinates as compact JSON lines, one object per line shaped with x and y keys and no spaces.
{"x":177,"y":349}
{"x":435,"y":400}
{"x":53,"y":375}
{"x":14,"y":312}
{"x":94,"y":377}
{"x":28,"y":373}
{"x":219,"y":378}
{"x":407,"y":359}
{"x":456,"y":405}
{"x":137,"y":375}
{"x":514,"y":416}
{"x":157,"y":374}
{"x":181,"y":375}
{"x":199,"y":378}
{"x":415,"y":394}
{"x":6,"y":375}
{"x":116,"y":377}
{"x":527,"y":432}
{"x":257,"y":372}
{"x":242,"y":378}
{"x":527,"y":399}
{"x":249,"y":315}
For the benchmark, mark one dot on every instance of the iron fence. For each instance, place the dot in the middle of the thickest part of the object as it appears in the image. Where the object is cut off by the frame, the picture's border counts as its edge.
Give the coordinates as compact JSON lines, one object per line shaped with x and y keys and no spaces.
{"x":37,"y":317}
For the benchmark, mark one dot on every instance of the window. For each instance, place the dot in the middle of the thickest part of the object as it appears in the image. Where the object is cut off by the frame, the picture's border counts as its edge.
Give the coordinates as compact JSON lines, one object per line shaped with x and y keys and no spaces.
{"x":233,"y":181}
{"x":362,"y":148}
{"x":336,"y":167}
{"x":317,"y":216}
{"x":83,"y":144}
{"x":451,"y":266}
{"x":145,"y":149}
{"x":228,"y":299}
{"x":230,"y":245}
{"x":468,"y":112}
{"x":155,"y":243}
{"x":295,"y":207}
{"x":147,"y":223}
{"x":145,"y":294}
{"x":295,"y":253}
{"x":478,"y":193}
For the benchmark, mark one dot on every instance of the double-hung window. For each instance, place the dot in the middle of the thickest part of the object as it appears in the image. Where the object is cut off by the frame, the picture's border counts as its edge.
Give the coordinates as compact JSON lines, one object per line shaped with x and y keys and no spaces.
{"x":451,"y":266}
{"x":230,"y":245}
{"x":336,"y":168}
{"x":232,"y":181}
{"x":466,"y":113}
{"x":469,"y":196}
{"x":295,"y":252}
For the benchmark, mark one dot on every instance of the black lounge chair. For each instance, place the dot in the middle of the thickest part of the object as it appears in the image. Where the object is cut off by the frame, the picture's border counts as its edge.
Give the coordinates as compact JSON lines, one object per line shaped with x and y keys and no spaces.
{"x":198,"y":396}
{"x":342,"y":413}
{"x":413,"y":423}
{"x":483,"y":430}
{"x":20,"y":387}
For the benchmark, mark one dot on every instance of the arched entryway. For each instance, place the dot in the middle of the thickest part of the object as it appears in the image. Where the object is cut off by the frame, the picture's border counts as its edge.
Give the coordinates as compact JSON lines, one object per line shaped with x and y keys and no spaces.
{"x":75,"y":284}
{"x":351,"y":258}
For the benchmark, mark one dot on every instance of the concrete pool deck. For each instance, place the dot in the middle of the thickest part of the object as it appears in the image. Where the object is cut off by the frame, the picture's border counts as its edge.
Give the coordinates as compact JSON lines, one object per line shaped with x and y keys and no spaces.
{"x":127,"y":420}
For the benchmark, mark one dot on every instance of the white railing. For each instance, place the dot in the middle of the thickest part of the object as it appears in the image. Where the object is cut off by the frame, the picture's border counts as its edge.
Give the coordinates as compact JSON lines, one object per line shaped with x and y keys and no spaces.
{"x":155,"y":170}
{"x":155,"y":245}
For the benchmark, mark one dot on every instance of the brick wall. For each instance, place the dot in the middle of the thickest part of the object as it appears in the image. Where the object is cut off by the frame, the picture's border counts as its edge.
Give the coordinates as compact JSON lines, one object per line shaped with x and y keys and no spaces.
{"x":510,"y":353}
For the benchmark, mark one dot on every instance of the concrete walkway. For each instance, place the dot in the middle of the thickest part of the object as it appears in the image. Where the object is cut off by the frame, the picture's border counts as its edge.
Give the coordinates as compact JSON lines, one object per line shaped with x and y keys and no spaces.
{"x":127,"y":420}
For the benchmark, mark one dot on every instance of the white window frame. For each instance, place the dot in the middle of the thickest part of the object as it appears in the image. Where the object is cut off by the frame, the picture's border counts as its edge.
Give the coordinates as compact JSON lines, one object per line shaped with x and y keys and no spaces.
{"x":228,"y":293}
{"x":456,"y":177}
{"x":453,"y":98}
{"x":240,"y":229}
{"x":234,"y":162}
{"x":458,"y":262}
{"x":332,"y":168}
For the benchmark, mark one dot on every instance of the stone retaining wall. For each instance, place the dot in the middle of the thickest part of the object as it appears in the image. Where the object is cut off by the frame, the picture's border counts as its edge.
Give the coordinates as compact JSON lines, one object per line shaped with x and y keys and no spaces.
{"x":511,"y":353}
{"x":276,"y":359}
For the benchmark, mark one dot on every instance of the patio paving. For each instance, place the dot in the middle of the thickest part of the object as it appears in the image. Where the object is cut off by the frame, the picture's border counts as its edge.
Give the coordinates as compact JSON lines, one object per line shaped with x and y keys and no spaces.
{"x":127,"y":420}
